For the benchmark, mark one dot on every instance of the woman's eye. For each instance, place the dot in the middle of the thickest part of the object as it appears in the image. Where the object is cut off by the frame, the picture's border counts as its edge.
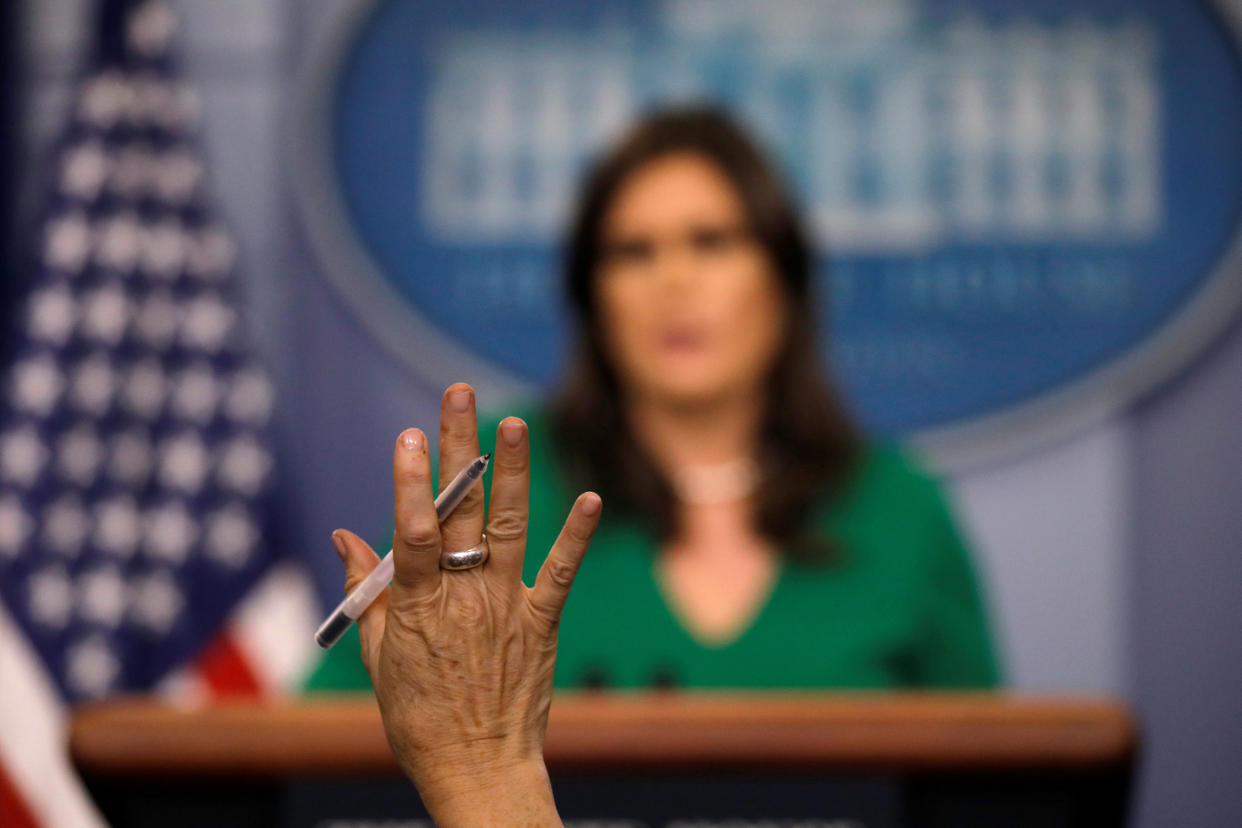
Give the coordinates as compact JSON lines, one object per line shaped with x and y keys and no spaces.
{"x":629,"y":252}
{"x":713,"y":239}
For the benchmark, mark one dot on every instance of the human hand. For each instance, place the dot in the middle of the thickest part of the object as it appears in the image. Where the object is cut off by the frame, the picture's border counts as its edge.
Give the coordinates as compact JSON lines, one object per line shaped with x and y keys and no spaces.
{"x":462,"y":661}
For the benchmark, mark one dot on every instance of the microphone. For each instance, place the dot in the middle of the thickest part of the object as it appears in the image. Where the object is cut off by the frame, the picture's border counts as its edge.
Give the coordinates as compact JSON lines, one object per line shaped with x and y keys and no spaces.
{"x":664,"y":677}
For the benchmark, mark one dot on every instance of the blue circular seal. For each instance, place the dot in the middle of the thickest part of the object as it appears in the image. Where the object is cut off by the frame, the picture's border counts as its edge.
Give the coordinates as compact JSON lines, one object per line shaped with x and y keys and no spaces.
{"x":1027,"y":211}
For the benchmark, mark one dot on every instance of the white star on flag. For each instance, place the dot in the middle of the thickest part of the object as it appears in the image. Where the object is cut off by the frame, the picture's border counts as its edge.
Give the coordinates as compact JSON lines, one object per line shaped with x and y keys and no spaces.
{"x":102,"y":596}
{"x":157,"y":320}
{"x":210,"y":254}
{"x":68,"y":242}
{"x":104,"y":99}
{"x":118,"y":525}
{"x":78,"y":455}
{"x":250,"y":398}
{"x":170,"y":532}
{"x":22,"y":456}
{"x":230,"y":535}
{"x":132,"y":172}
{"x":183,"y":462}
{"x":120,"y":242}
{"x":15,"y":526}
{"x":37,"y":384}
{"x":65,"y":525}
{"x":52,"y":315}
{"x":51,"y":596}
{"x":85,"y":170}
{"x":93,"y":384}
{"x":163,"y":254}
{"x":177,"y":175}
{"x":132,"y":457}
{"x":207,"y":324}
{"x":144,"y":389}
{"x":244,"y":465}
{"x":92,"y":667}
{"x":105,"y":314}
{"x":157,"y":602}
{"x":195,"y":394}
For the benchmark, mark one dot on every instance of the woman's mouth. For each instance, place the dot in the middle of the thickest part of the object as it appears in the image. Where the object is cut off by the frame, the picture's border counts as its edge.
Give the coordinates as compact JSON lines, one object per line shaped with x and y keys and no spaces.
{"x":682,"y":341}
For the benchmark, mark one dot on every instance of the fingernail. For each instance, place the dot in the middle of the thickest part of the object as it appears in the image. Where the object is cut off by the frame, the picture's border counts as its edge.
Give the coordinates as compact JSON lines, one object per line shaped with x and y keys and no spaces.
{"x":339,"y":545}
{"x":412,"y":439}
{"x":459,"y":400}
{"x":591,"y":504}
{"x":511,"y":431}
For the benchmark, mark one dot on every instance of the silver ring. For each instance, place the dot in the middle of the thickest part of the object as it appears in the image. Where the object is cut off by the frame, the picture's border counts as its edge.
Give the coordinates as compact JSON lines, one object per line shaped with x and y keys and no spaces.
{"x":466,"y":558}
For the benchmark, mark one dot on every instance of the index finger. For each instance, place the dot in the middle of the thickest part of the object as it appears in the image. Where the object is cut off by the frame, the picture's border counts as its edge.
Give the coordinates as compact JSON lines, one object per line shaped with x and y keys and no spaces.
{"x":416,"y":536}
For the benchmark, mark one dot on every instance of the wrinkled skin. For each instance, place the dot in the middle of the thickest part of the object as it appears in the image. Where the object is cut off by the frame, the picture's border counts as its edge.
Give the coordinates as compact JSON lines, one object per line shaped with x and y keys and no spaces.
{"x":462,"y":662}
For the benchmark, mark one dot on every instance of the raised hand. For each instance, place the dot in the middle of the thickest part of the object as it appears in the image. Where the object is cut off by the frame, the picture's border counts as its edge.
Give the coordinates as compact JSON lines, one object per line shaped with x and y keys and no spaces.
{"x":462,"y":661}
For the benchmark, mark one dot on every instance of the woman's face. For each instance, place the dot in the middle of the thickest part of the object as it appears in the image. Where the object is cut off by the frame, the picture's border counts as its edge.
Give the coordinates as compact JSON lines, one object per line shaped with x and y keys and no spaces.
{"x":690,"y":308}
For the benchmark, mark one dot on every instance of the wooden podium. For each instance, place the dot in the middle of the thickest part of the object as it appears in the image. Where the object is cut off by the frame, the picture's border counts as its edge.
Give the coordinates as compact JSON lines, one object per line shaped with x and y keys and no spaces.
{"x":629,"y":760}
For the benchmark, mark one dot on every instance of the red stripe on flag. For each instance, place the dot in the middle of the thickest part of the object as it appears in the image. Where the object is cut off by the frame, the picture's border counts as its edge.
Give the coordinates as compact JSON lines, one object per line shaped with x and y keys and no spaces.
{"x":225,"y":669}
{"x":13,"y":810}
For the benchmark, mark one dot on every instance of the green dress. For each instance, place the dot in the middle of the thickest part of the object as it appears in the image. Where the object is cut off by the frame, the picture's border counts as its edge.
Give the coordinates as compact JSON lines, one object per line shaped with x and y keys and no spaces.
{"x":899,"y":607}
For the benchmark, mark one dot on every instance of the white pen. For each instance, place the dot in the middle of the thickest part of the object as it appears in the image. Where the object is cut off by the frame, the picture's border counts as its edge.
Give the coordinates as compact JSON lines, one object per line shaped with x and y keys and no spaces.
{"x":356,"y":602}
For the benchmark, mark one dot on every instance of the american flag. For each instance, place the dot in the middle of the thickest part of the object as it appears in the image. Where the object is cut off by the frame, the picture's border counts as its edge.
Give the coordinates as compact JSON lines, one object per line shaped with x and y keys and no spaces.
{"x":137,"y":534}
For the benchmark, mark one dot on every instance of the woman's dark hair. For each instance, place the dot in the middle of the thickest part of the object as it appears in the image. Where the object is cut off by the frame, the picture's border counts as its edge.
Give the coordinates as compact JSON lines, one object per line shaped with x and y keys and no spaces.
{"x":807,"y":442}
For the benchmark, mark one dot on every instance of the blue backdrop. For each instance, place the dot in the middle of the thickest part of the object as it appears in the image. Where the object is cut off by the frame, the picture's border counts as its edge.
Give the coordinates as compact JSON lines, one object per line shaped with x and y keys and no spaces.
{"x":1009,"y":196}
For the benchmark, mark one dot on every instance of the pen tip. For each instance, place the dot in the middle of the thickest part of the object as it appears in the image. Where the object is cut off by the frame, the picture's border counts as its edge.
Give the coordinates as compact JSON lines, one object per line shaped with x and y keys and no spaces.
{"x":487,"y":457}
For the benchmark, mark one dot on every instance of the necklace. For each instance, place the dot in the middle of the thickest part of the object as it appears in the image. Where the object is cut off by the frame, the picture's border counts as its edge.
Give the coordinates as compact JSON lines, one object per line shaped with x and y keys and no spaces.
{"x":716,"y":483}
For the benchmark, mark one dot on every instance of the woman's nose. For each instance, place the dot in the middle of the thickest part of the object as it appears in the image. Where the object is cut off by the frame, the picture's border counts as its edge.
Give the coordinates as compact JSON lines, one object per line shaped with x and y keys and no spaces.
{"x":677,"y":268}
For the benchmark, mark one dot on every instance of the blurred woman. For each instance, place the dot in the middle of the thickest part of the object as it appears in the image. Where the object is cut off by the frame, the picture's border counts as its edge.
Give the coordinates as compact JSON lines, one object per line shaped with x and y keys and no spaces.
{"x":753,"y":537}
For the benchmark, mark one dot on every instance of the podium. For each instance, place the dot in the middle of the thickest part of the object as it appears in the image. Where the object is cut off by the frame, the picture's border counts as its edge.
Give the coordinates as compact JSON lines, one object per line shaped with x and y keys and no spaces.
{"x":659,"y":759}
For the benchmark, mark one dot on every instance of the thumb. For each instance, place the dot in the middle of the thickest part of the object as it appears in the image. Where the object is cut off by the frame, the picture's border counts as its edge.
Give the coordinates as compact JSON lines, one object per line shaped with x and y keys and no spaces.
{"x":359,"y":559}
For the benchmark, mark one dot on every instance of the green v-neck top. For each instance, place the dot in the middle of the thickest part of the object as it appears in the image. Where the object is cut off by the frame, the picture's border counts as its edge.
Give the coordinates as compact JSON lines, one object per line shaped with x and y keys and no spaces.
{"x":897,"y":607}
